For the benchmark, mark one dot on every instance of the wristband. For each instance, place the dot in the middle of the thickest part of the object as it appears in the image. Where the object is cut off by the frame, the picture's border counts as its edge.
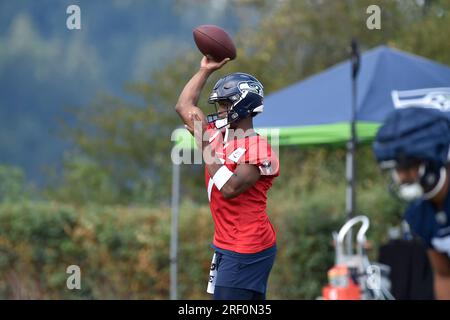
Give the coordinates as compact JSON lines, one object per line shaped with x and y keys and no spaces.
{"x":222,"y":176}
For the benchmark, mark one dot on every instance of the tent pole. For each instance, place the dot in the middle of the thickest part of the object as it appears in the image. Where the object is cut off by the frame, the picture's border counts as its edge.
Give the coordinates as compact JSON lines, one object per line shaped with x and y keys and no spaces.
{"x":350,"y":177}
{"x":351,"y":145}
{"x":350,"y":190}
{"x":174,"y":230}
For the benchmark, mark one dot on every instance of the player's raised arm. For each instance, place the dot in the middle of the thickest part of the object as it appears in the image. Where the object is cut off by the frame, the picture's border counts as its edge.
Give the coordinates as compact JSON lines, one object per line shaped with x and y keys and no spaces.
{"x":186,"y":106}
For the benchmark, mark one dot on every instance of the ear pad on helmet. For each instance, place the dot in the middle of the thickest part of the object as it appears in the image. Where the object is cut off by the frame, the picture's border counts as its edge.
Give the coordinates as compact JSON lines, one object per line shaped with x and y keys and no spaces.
{"x":429,"y":176}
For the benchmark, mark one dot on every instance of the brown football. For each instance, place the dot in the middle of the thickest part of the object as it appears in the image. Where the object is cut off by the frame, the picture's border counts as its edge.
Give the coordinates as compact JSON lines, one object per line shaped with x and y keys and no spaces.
{"x":213,"y":41}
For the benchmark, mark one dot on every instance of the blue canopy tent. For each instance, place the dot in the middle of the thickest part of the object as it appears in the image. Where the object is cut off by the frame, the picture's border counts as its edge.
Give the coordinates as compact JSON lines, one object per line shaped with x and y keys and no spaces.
{"x":318,"y":110}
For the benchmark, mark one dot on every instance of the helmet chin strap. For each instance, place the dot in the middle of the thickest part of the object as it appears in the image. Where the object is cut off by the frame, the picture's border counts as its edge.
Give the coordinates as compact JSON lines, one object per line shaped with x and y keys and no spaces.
{"x":407,"y":191}
{"x":225,"y":138}
{"x":231,"y":117}
{"x":221,"y":123}
{"x":410,"y":192}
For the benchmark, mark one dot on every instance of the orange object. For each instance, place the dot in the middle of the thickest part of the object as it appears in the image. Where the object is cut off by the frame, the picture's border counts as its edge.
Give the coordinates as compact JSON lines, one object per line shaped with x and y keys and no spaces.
{"x":341,"y":286}
{"x":352,"y":292}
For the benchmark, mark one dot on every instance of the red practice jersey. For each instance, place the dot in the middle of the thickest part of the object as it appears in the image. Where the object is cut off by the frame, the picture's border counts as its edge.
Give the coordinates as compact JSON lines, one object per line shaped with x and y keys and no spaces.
{"x":241,"y":224}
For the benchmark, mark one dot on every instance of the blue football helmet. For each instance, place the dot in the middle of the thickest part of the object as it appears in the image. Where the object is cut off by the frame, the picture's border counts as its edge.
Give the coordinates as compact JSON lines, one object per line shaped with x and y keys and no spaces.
{"x":415,"y":137}
{"x":245,"y":94}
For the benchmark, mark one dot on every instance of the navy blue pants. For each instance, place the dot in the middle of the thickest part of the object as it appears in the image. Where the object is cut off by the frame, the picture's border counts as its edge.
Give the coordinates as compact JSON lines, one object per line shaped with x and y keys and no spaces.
{"x":243,"y":276}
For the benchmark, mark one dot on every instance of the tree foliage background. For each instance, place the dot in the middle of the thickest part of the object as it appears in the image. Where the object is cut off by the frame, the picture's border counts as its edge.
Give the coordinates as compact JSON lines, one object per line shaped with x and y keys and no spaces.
{"x":109,"y":209}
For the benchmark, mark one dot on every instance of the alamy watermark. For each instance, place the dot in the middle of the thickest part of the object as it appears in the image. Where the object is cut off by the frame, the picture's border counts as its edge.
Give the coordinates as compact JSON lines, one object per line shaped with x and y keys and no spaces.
{"x":73,"y":21}
{"x":74,"y":280}
{"x":373,"y":22}
{"x":189,"y":151}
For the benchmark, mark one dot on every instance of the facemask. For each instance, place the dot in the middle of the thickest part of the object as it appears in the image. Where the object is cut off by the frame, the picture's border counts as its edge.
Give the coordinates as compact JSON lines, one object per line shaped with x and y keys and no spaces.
{"x":221,"y":123}
{"x":429,"y":184}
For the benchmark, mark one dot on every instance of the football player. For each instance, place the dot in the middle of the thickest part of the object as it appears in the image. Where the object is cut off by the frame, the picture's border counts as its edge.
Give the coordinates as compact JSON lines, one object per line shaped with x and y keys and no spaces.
{"x":240,"y":166}
{"x":414,"y":144}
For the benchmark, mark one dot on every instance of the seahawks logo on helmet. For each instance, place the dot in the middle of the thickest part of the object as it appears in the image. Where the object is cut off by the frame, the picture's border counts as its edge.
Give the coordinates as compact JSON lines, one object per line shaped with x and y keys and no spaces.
{"x":251,"y":86}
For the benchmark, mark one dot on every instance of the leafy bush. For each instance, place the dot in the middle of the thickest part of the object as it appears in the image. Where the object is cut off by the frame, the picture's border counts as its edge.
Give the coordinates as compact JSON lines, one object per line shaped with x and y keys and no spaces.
{"x":123,"y":252}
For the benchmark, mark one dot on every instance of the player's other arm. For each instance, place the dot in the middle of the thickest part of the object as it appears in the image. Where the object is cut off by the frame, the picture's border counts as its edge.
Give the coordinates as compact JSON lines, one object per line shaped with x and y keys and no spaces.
{"x":243,"y":178}
{"x":232,"y":184}
{"x":186,"y":106}
{"x":441,"y":267}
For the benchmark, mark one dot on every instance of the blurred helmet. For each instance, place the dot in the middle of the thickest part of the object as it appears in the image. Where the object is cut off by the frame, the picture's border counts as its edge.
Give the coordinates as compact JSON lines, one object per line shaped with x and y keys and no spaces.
{"x":245,"y":94}
{"x":415,"y":137}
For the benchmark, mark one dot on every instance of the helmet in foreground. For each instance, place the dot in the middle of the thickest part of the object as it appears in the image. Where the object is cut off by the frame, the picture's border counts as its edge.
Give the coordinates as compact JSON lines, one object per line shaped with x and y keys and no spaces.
{"x":419,"y":138}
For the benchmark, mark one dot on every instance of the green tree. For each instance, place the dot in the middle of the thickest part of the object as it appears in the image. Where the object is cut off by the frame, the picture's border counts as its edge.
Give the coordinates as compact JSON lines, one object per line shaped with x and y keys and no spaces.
{"x":122,"y":153}
{"x":130,"y":142}
{"x":427,"y":36}
{"x":12,"y":184}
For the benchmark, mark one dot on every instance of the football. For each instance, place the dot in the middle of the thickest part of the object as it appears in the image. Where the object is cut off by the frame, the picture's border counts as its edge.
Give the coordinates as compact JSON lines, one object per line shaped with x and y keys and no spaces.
{"x":215,"y":42}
